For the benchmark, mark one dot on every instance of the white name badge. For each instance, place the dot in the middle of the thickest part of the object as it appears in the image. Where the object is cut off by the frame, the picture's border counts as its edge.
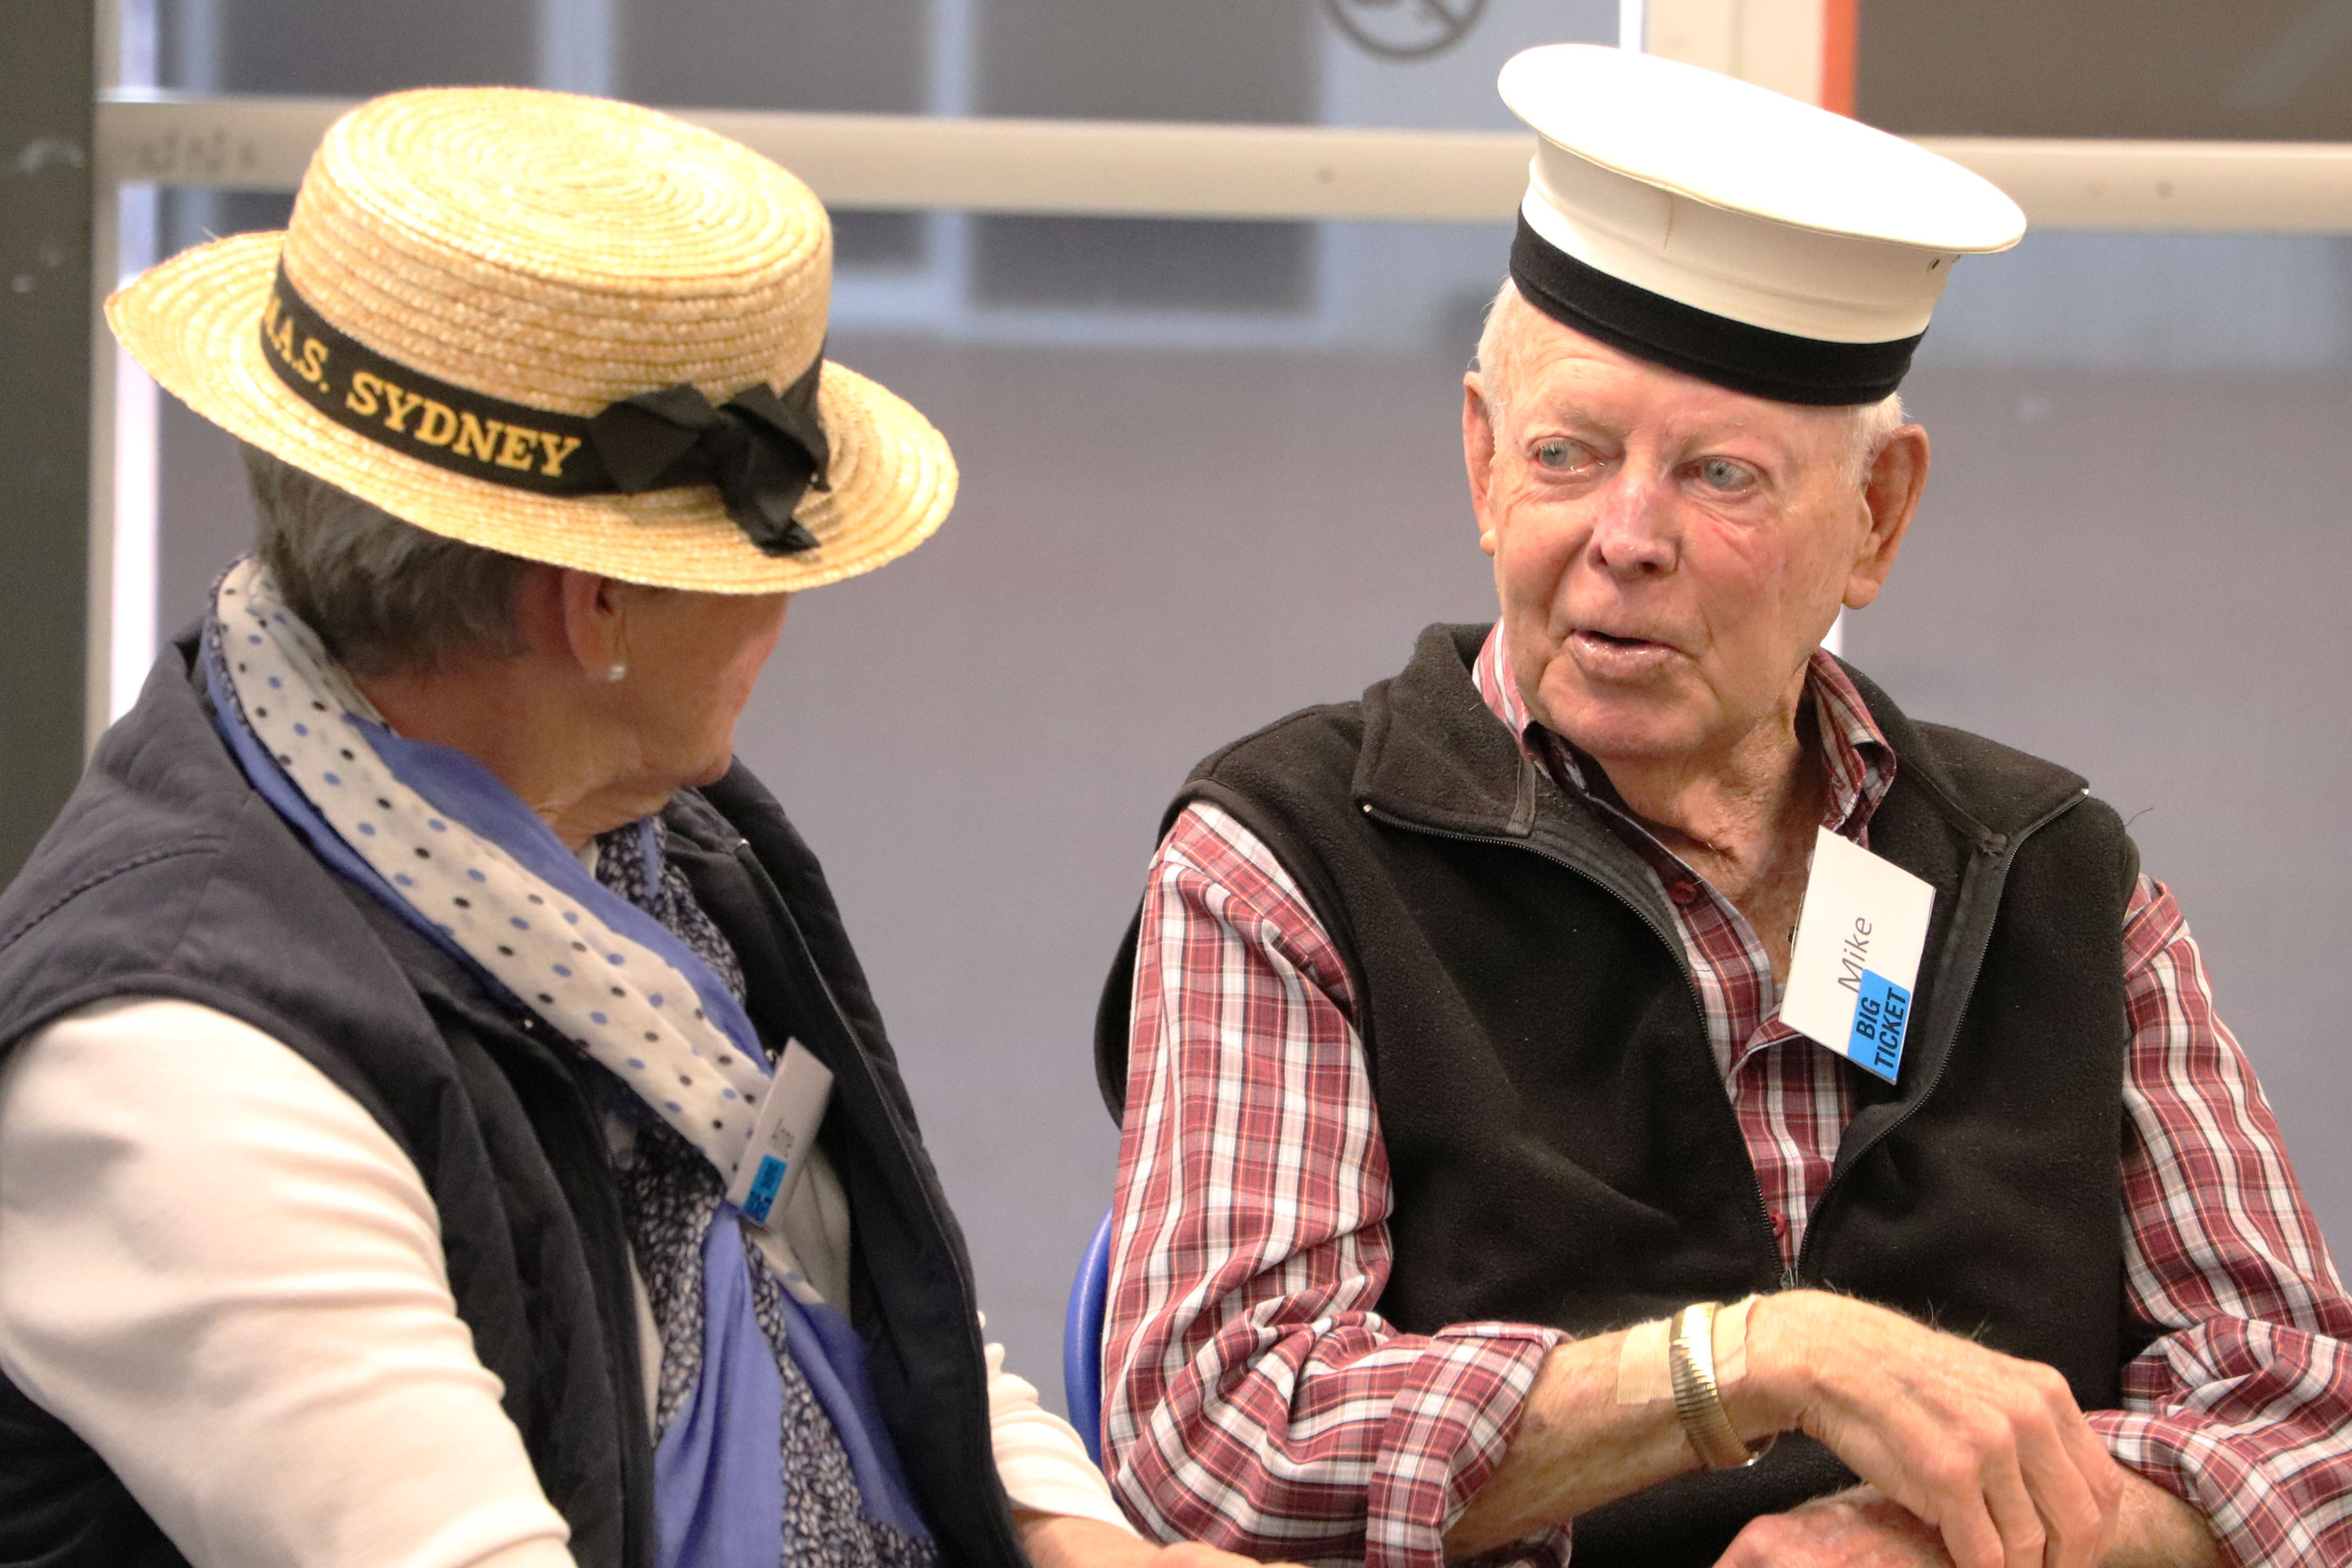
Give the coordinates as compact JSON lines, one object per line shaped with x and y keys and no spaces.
{"x":1857,"y":954}
{"x":782,"y":1134}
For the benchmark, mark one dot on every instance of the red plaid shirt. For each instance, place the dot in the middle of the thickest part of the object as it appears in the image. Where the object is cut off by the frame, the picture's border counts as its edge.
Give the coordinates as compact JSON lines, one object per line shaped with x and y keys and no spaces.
{"x":1257,"y":1400}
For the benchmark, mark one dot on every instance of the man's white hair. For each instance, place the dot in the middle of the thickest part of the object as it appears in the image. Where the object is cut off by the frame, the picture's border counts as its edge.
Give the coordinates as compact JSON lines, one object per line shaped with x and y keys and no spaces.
{"x":1869,"y":424}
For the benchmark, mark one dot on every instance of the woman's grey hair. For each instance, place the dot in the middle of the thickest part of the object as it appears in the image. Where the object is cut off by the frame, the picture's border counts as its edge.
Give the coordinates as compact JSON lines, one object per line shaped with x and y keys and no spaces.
{"x":385,"y":597}
{"x":1869,"y":424}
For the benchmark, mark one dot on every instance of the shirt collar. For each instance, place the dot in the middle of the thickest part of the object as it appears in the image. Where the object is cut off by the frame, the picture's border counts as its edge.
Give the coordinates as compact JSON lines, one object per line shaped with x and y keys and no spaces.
{"x":1856,"y":760}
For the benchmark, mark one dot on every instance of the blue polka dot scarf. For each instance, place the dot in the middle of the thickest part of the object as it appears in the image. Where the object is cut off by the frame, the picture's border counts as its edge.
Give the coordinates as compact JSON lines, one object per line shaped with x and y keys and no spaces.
{"x":518,"y":905}
{"x":770,"y":1449}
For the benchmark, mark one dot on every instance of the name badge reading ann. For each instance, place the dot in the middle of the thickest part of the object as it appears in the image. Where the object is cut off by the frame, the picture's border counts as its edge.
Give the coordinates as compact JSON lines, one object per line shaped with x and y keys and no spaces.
{"x":782,"y":1135}
{"x":1857,"y":954}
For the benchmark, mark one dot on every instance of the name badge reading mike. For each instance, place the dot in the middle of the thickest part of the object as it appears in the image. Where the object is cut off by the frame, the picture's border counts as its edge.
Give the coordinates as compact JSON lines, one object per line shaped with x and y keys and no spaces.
{"x":782,"y":1134}
{"x":1857,"y":954}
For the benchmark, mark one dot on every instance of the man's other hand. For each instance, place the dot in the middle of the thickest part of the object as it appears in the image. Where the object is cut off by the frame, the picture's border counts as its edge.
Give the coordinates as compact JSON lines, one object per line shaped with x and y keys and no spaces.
{"x":1064,"y":1540}
{"x":1988,"y":1449}
{"x":1861,"y":1528}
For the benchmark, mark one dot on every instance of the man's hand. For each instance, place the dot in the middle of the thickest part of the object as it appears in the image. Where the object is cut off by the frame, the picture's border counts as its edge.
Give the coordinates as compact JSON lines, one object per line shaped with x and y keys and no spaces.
{"x":1860,"y":1528}
{"x":1988,"y":1449}
{"x":1063,"y":1540}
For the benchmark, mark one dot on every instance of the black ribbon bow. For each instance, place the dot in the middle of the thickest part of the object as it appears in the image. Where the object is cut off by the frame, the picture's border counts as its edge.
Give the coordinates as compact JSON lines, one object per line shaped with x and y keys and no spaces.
{"x":763,"y":450}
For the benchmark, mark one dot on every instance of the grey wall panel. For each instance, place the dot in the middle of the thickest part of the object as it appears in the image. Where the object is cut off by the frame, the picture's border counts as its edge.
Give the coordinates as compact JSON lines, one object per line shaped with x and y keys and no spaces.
{"x":1097,"y":263}
{"x":855,"y":56}
{"x":1181,"y":60}
{"x":207,"y":520}
{"x":1237,"y":60}
{"x":330,"y":50}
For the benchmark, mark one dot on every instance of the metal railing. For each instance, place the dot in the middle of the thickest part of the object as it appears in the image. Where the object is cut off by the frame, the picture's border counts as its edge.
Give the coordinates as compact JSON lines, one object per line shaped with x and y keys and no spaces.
{"x":1289,"y":172}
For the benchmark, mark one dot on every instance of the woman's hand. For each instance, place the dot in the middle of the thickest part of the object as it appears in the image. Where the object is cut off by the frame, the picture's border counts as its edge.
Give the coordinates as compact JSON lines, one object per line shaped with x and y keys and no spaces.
{"x":1064,"y":1540}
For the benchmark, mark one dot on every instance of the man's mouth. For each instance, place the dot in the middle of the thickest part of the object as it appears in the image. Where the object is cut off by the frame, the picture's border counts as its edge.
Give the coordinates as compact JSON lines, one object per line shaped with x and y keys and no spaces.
{"x":1608,"y":655}
{"x":1594,"y":634}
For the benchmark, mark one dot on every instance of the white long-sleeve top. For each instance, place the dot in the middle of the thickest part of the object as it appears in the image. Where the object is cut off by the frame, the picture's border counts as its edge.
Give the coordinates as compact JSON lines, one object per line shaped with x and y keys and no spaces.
{"x":220,"y":1271}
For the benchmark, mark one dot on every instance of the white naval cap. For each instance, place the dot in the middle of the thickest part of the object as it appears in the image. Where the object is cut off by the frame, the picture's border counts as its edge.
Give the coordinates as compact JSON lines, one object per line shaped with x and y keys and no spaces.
{"x":1723,"y":230}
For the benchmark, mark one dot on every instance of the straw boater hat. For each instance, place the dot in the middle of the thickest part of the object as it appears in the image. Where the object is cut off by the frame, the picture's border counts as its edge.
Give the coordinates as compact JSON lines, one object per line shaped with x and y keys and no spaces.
{"x":568,"y":329}
{"x":1723,"y":230}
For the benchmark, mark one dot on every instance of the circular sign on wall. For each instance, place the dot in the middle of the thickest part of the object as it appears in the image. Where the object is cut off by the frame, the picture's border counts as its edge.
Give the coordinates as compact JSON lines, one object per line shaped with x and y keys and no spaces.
{"x":1405,"y":29}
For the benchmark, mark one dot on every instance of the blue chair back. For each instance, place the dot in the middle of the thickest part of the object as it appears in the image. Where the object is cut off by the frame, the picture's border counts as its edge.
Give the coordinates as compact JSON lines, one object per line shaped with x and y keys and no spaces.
{"x":1082,"y":1341}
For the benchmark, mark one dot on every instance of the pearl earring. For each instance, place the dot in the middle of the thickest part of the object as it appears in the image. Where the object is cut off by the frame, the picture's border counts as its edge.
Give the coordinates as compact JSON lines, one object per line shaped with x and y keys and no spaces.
{"x":617,"y":671}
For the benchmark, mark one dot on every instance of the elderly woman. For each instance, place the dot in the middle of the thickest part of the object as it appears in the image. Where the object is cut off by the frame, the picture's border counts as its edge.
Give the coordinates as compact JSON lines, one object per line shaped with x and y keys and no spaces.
{"x":442,"y":1119}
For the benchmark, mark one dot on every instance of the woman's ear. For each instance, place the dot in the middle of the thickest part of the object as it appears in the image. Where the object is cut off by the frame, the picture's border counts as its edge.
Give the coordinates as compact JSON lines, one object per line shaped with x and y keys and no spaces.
{"x":594,"y":619}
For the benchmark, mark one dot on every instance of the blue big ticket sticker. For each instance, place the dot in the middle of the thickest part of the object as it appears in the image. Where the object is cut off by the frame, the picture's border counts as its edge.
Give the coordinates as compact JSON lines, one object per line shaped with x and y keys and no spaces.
{"x":1880,"y":1012}
{"x":764,"y":1187}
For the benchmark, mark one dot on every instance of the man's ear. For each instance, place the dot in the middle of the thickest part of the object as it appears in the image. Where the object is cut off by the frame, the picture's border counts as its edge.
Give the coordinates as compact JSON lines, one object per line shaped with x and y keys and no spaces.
{"x":1897,"y":477}
{"x":1478,"y":455}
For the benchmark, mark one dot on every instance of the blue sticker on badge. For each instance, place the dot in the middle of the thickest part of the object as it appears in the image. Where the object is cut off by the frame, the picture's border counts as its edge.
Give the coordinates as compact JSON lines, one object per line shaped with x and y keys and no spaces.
{"x":765,"y":1186}
{"x":1879,"y":1016}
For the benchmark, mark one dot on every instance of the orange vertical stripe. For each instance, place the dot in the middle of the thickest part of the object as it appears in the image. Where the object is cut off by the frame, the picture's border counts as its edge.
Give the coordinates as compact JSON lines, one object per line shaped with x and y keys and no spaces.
{"x":1838,"y":29}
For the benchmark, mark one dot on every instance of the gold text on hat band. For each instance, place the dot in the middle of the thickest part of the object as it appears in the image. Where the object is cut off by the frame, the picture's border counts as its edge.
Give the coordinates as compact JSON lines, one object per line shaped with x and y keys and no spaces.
{"x":395,"y":407}
{"x":764,"y":449}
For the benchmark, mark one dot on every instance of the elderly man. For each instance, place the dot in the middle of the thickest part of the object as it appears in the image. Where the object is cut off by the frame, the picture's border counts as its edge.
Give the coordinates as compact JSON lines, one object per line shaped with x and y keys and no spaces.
{"x":1480,"y":1191}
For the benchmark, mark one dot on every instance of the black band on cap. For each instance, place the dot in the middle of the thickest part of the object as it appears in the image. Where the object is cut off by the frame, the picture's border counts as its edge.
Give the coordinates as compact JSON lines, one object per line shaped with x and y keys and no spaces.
{"x":1754,"y":360}
{"x":764,"y":449}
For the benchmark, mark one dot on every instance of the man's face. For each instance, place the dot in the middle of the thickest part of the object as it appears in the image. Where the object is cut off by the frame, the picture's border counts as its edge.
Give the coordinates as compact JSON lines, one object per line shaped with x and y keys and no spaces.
{"x":1668,"y":552}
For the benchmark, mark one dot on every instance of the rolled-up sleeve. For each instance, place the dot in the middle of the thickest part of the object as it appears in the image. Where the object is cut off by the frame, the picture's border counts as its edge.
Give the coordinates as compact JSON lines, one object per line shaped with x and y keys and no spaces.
{"x":1256,"y":1399}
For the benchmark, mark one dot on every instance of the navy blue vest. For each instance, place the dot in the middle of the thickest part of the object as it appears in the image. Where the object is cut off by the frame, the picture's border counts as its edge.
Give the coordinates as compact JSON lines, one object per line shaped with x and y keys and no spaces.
{"x":167,"y":876}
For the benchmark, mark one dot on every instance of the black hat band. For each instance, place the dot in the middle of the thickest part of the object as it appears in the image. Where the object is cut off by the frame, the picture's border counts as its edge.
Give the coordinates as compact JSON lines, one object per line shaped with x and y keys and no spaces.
{"x":762,"y":449}
{"x":1750,"y":359}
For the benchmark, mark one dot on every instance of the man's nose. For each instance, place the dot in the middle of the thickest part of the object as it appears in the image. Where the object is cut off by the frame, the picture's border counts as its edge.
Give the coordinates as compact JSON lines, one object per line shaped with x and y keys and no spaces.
{"x":1634,"y":532}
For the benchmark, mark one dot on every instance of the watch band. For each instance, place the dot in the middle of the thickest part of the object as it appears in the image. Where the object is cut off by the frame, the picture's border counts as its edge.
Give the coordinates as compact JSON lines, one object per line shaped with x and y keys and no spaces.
{"x":1698,"y":1402}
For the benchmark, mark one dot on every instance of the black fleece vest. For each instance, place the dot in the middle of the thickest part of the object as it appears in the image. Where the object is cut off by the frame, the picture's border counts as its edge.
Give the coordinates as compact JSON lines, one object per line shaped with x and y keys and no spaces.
{"x":1560,"y":1145}
{"x":167,"y":876}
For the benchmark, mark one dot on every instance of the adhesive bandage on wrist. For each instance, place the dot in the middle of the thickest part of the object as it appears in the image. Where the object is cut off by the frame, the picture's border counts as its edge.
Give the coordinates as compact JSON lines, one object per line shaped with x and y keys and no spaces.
{"x":1644,"y":1367}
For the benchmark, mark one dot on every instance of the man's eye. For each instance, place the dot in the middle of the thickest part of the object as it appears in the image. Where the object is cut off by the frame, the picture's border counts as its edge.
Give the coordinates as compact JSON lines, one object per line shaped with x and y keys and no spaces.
{"x":1723,"y":474}
{"x":1560,"y":454}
